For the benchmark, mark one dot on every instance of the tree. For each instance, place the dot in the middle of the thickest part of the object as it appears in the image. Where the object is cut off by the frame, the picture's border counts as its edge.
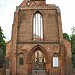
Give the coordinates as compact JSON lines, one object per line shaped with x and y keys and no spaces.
{"x":73,"y":45}
{"x":66,"y":36}
{"x":73,"y":30}
{"x":73,"y":39}
{"x":2,"y":47}
{"x":73,"y":48}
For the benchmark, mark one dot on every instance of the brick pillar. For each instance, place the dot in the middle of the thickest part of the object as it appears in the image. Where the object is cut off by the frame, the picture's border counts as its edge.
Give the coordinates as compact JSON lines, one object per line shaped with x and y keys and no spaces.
{"x":14,"y":63}
{"x":68,"y":58}
{"x":60,"y":26}
{"x":14,"y":44}
{"x":62,"y":60}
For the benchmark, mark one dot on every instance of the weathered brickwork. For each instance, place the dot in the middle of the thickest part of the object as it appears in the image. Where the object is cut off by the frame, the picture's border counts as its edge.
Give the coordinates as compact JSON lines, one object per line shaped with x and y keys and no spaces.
{"x":22,"y":42}
{"x":8,"y":48}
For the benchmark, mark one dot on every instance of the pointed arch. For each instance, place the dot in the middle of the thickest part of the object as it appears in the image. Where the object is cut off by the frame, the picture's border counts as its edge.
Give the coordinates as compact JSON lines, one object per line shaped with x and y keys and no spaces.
{"x":37,"y":26}
{"x":20,"y":59}
{"x":55,"y":60}
{"x":36,"y":48}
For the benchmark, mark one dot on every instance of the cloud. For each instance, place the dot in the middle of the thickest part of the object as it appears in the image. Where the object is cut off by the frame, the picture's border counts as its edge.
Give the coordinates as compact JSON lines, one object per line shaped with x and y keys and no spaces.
{"x":8,"y":7}
{"x":6,"y":15}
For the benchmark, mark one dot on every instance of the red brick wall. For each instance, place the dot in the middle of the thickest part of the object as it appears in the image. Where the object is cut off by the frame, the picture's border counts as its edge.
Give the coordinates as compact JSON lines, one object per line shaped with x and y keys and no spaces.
{"x":50,"y":25}
{"x":8,"y":49}
{"x":52,"y":43}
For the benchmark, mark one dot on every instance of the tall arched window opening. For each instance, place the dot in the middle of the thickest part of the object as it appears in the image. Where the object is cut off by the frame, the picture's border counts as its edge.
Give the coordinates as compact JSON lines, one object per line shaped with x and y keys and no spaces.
{"x":21,"y":60}
{"x":37,"y":27}
{"x":55,"y":60}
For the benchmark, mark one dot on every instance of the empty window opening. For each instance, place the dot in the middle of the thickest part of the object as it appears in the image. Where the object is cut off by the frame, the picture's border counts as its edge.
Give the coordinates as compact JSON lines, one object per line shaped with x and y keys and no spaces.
{"x":55,"y":60}
{"x":37,"y":27}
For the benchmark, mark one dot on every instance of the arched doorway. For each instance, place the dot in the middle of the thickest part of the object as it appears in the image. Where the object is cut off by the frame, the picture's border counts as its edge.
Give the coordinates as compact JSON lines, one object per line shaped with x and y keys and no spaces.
{"x":37,"y":59}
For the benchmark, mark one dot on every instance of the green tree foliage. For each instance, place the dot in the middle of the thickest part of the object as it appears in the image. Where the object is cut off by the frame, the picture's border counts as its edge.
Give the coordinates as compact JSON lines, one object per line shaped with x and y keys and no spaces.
{"x":2,"y":47}
{"x":73,"y":60}
{"x":73,"y":30}
{"x":66,"y":36}
{"x":73,"y":45}
{"x":73,"y":48}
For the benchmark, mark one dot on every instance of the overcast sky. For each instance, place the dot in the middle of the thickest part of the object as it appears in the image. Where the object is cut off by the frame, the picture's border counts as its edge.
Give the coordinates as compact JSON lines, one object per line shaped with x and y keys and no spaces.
{"x":7,"y":8}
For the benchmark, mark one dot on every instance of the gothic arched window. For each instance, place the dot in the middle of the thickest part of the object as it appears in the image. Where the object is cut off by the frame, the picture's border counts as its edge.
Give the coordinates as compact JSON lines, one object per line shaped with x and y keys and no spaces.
{"x":55,"y":60}
{"x":21,"y":59}
{"x":37,"y":27}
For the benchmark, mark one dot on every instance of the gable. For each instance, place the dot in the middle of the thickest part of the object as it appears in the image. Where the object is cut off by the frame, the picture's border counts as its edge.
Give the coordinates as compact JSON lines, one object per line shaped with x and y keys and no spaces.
{"x":32,"y":3}
{"x":23,"y":4}
{"x":42,"y":4}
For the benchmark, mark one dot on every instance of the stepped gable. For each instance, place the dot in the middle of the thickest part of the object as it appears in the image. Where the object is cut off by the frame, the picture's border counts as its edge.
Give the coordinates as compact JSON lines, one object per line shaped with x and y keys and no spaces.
{"x":36,"y":4}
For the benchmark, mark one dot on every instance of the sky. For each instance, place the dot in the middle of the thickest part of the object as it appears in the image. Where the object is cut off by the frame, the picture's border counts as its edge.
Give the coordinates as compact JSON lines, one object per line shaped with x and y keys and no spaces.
{"x":8,"y":7}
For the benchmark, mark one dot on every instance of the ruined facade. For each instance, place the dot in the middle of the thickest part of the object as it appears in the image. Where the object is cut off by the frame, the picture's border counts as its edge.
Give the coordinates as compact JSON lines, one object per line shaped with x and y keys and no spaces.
{"x":37,"y":46}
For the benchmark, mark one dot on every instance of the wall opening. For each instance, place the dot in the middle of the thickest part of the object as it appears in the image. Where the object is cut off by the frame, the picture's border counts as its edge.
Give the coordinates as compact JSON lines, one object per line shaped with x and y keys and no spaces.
{"x":37,"y":26}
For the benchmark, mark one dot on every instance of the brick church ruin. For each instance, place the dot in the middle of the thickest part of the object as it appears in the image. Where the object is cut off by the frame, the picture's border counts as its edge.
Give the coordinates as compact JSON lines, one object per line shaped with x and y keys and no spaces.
{"x":37,"y":46}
